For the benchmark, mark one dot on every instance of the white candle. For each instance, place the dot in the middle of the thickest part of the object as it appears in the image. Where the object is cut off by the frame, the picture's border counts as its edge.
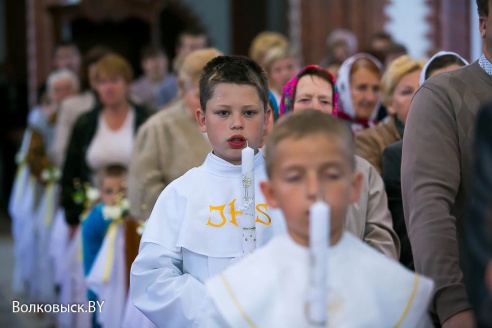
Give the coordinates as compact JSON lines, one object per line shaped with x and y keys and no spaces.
{"x":248,"y":200}
{"x":319,"y":239}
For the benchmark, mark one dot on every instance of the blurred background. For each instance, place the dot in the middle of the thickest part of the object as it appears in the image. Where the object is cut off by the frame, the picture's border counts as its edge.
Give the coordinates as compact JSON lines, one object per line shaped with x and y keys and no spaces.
{"x":29,"y":30}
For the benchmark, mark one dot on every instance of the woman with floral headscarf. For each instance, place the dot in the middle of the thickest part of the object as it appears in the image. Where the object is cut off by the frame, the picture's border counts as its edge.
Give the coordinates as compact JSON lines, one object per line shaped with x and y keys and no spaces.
{"x":358,"y":84}
{"x":314,"y":87}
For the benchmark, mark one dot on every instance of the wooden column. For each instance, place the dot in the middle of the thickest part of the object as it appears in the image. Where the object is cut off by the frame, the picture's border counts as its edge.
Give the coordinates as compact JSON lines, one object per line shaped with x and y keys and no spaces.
{"x":46,"y":18}
{"x":320,"y":17}
{"x":450,"y":21}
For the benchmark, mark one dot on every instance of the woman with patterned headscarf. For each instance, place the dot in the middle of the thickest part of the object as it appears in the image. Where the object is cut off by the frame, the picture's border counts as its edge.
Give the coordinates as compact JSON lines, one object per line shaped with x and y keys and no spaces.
{"x":369,"y":219}
{"x":312,"y":87}
{"x":358,"y":84}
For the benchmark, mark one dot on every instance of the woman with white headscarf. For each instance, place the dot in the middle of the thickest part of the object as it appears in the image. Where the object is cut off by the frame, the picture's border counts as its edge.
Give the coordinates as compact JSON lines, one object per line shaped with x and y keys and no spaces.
{"x":443,"y":61}
{"x":358,"y":84}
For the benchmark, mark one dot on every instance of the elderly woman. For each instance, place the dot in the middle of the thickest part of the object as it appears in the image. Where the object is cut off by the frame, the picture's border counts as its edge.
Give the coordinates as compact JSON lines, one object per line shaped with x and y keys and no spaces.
{"x":103,"y":136}
{"x":398,"y":86}
{"x":34,"y":193}
{"x":369,"y":219}
{"x":61,"y":85}
{"x":358,"y":84}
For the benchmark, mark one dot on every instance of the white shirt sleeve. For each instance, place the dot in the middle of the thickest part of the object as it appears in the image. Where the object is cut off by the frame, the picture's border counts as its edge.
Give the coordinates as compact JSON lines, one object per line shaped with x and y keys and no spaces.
{"x":161,"y":291}
{"x":209,"y":316}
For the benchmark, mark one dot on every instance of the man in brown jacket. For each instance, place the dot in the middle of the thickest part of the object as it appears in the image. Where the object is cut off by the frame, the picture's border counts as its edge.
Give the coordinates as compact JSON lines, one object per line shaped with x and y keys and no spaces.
{"x":436,"y":168}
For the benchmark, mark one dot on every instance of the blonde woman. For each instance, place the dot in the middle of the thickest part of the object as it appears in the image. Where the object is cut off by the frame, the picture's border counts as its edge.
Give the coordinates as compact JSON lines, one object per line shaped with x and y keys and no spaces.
{"x":398,"y":85}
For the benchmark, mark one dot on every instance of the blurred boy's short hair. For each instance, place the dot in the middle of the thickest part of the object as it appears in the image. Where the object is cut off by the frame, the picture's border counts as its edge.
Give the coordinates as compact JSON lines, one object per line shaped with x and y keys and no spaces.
{"x":304,"y":123}
{"x":110,"y":171}
{"x":234,"y":70}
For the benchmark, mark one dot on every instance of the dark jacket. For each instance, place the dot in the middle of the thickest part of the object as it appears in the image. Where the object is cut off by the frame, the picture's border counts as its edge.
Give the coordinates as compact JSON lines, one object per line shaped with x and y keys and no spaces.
{"x":392,"y":183}
{"x":76,"y":169}
{"x":477,"y":244}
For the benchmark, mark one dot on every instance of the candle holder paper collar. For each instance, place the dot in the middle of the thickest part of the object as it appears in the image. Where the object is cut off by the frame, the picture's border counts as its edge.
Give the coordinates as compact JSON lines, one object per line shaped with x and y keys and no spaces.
{"x":222,"y":168}
{"x":289,"y":92}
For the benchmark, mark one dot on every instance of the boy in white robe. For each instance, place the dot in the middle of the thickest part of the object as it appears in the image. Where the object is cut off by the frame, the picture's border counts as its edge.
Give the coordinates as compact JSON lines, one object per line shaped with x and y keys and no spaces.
{"x":310,"y":155}
{"x":194,"y":231}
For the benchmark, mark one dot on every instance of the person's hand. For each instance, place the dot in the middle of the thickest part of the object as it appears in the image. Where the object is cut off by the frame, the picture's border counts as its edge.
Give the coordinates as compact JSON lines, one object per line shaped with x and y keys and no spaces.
{"x":464,"y":319}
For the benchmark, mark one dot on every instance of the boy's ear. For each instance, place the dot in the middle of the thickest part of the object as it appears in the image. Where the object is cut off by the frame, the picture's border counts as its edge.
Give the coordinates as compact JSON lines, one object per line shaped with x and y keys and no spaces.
{"x":356,"y":187}
{"x":268,"y":192}
{"x":200,"y":119}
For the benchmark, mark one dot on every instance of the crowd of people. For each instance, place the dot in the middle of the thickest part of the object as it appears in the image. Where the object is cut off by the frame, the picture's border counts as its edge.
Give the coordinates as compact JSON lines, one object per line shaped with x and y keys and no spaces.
{"x":131,"y":192}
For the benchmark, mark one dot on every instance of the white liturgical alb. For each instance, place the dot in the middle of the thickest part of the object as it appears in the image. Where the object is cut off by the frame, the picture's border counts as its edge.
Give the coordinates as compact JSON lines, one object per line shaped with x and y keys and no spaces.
{"x":270,"y":288}
{"x":192,"y":234}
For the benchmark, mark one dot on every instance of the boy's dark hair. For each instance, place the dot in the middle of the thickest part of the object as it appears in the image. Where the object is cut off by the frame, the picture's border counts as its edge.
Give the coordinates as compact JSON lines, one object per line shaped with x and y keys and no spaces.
{"x":235,"y":70}
{"x":483,"y":7}
{"x":152,"y":51}
{"x":113,"y":171}
{"x":442,"y":62}
{"x":110,"y":171}
{"x":303,"y":123}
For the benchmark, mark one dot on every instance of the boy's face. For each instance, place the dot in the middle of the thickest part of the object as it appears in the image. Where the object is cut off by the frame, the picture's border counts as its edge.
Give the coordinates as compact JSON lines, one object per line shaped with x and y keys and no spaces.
{"x":233,"y":116}
{"x":305,"y":169}
{"x":112,"y":188}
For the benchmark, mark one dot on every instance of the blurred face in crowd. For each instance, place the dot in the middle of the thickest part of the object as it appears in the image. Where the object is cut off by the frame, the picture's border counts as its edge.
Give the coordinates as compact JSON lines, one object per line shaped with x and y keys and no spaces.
{"x":234,"y":117}
{"x":281,"y":71}
{"x":112,"y":90}
{"x":333,"y":69}
{"x":61,"y":90}
{"x":314,"y":92}
{"x":190,"y":43}
{"x":67,"y":57}
{"x":155,"y":67}
{"x":402,"y":96}
{"x":307,"y":168}
{"x":364,"y":90}
{"x":112,"y":188}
